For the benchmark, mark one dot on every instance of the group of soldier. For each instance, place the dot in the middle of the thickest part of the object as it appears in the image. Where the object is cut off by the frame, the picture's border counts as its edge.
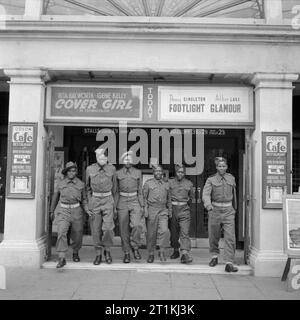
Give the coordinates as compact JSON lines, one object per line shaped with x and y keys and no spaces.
{"x":108,"y":194}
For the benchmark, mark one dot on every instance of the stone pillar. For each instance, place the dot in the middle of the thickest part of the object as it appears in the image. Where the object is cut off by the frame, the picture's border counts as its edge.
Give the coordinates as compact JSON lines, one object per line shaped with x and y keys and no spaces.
{"x":24,"y":229}
{"x":273,"y":112}
{"x":34,"y":9}
{"x":273,"y":11}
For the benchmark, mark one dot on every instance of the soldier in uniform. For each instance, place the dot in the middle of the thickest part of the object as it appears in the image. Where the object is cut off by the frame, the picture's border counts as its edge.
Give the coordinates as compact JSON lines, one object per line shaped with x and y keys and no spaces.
{"x":219,"y":197}
{"x":101,"y":189}
{"x":181,"y":191}
{"x":158,"y":209}
{"x":130,"y":206}
{"x":68,"y":197}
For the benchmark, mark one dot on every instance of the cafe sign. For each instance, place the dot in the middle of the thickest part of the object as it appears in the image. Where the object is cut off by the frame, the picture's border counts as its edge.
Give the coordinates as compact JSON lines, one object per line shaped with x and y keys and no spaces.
{"x":86,"y":103}
{"x":275,"y":168}
{"x":21,"y":170}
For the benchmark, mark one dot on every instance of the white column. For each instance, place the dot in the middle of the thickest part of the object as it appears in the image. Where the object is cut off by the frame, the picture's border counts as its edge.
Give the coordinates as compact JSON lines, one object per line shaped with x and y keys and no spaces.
{"x":273,"y":11}
{"x":273,"y":112}
{"x":24,"y":229}
{"x":34,"y":9}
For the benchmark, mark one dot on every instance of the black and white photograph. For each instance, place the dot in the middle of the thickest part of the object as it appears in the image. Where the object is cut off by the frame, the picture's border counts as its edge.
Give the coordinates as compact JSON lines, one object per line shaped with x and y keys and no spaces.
{"x":150,"y":154}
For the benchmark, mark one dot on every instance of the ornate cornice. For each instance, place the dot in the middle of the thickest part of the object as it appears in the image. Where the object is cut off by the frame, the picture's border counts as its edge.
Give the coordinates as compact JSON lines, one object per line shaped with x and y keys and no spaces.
{"x":146,"y":28}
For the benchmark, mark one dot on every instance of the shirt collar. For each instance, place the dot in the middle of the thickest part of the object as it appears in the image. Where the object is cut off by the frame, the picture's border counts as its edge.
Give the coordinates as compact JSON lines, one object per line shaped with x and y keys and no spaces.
{"x":71,"y":180}
{"x":125,"y":169}
{"x":100,"y":168}
{"x":219,"y":177}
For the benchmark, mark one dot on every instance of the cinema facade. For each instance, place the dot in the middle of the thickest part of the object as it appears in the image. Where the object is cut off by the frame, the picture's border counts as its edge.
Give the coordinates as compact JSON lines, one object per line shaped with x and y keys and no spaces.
{"x":205,"y":79}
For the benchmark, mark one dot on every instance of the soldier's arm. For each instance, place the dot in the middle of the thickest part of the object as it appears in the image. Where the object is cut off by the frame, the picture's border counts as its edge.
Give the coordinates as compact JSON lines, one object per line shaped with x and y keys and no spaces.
{"x":140,"y":190}
{"x":114,"y":183}
{"x":54,"y":200}
{"x":117,"y":189}
{"x":234,"y":195}
{"x":191,"y":194}
{"x":145,"y":196}
{"x":169,"y":203}
{"x":206,"y":196}
{"x":84,"y":200}
{"x":88,"y":184}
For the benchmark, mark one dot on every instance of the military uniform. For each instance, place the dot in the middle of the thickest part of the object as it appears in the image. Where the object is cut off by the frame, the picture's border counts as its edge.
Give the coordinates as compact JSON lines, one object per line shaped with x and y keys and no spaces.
{"x":181,"y":192}
{"x":71,"y":194}
{"x":220,"y":193}
{"x":129,"y":205}
{"x":101,"y":189}
{"x":157,"y":199}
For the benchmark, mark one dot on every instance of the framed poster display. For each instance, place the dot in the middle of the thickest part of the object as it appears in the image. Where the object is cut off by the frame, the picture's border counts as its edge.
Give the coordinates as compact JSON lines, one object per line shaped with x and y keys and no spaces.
{"x":275,"y":168}
{"x":21,"y":169}
{"x":291,"y":225}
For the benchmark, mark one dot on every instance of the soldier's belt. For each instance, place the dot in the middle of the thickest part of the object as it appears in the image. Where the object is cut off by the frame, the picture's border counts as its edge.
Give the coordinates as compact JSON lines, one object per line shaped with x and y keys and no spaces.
{"x":101,"y":194}
{"x":222,"y":204}
{"x":178,"y":203}
{"x":128,"y":194}
{"x":70,"y":206}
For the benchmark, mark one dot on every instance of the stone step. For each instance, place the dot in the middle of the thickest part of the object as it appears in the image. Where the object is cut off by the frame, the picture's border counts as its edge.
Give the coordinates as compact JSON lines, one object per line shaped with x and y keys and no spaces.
{"x":244,"y":270}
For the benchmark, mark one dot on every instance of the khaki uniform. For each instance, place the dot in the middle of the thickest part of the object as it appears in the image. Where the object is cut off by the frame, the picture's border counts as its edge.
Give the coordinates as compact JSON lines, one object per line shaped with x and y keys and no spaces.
{"x":157,"y":199}
{"x":181,"y":192}
{"x":101,"y":189}
{"x":220,"y":192}
{"x":69,"y":192}
{"x":129,"y":205}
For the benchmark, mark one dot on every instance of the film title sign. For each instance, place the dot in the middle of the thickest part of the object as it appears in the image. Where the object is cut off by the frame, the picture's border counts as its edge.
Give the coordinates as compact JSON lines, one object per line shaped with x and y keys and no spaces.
{"x":276,"y":168}
{"x":206,"y":104}
{"x":87,"y":102}
{"x":21,"y":153}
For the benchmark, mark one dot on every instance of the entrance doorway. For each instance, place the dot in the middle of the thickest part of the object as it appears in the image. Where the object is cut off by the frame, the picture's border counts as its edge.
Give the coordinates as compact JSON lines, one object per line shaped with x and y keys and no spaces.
{"x":80,"y":144}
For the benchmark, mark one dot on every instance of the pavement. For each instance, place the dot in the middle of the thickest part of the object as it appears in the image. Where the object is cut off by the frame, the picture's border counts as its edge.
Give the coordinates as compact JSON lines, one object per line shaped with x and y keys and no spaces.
{"x":135,"y":283}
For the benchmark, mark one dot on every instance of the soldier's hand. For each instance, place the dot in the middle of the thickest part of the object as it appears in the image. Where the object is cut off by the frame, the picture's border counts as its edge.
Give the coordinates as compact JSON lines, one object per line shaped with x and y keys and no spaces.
{"x":90,"y":213}
{"x":52,"y":216}
{"x":115,"y":214}
{"x":209,"y":208}
{"x":146,"y":214}
{"x":170,"y":215}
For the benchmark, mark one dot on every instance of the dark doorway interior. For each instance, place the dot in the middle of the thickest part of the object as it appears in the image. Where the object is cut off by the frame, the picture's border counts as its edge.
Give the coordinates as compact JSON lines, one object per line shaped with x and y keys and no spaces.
{"x":229,"y":143}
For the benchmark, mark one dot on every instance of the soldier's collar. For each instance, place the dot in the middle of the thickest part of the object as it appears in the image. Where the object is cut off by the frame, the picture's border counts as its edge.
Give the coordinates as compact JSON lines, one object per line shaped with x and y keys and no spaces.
{"x":71,"y":180}
{"x":219,"y":177}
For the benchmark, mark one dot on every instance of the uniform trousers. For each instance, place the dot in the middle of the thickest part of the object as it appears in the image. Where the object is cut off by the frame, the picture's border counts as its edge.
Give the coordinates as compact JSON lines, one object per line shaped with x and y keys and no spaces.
{"x":157,"y":228}
{"x":102,"y":221}
{"x":180,"y":227}
{"x":65,"y":218}
{"x":222,"y":217}
{"x":130,"y":224}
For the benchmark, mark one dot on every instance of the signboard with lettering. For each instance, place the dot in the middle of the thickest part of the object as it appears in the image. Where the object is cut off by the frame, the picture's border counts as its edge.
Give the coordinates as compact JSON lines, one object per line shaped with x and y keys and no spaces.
{"x":275,"y":168}
{"x":86,"y":103}
{"x":21,"y":160}
{"x":215,"y":105}
{"x":149,"y":103}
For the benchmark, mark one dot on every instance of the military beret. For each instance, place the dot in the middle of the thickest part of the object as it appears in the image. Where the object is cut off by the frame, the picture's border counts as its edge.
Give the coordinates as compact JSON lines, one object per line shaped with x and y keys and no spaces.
{"x":69,"y":166}
{"x":220,"y":159}
{"x":179,"y":166}
{"x":126,"y":154}
{"x":101,"y":151}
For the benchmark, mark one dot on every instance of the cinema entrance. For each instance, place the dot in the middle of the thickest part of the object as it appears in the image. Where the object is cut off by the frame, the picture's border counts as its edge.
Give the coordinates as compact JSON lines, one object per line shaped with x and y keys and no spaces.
{"x":77,"y":133}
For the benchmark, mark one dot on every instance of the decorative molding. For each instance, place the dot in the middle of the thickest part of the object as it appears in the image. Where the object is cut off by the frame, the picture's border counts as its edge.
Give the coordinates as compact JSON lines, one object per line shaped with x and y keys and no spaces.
{"x":27,"y":76}
{"x":274,"y":80}
{"x":151,"y":28}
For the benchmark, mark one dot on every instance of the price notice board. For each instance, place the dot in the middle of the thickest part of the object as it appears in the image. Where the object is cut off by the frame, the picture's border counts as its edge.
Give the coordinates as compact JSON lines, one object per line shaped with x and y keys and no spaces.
{"x":275,"y":168}
{"x":21,"y":169}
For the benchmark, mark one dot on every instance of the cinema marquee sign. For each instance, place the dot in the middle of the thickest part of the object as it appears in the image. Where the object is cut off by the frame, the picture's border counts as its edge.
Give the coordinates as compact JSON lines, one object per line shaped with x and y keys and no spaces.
{"x":151,"y":103}
{"x":219,"y":105}
{"x":86,"y":103}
